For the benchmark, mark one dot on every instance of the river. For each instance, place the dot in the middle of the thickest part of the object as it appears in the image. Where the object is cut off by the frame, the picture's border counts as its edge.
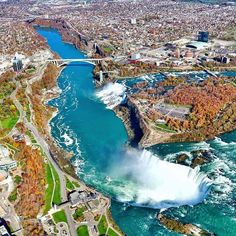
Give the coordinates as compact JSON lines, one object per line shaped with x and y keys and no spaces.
{"x":98,"y":138}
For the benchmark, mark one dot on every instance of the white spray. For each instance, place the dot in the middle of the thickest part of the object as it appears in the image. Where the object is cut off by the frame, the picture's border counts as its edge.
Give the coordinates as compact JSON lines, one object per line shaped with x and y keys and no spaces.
{"x":143,"y":179}
{"x":112,"y":94}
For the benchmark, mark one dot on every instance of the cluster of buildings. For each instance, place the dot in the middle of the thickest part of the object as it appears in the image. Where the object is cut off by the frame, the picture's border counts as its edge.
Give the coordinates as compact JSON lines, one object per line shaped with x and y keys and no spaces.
{"x":129,"y":26}
{"x":139,"y":29}
{"x":19,"y":37}
{"x":91,"y":203}
{"x":80,"y":197}
{"x":122,"y":26}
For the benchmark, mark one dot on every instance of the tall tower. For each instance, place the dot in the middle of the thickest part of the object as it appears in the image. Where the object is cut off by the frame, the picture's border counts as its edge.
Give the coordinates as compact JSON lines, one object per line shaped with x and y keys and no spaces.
{"x":101,"y":76}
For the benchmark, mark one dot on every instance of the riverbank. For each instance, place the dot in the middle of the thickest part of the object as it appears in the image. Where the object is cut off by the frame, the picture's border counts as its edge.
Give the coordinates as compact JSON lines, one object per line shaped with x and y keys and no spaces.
{"x":69,"y":34}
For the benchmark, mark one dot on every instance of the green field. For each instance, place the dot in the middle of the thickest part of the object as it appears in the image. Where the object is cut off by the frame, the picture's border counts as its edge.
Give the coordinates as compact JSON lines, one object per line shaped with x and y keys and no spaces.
{"x":111,"y":232}
{"x":10,"y":122}
{"x":78,"y":213}
{"x":107,"y":49}
{"x":76,"y":184}
{"x":6,"y":88}
{"x":9,"y":116}
{"x":69,"y":185}
{"x":57,"y":192}
{"x":49,"y":190}
{"x":59,"y":216}
{"x":164,"y":128}
{"x":82,"y":230}
{"x":13,"y":195}
{"x":30,"y":71}
{"x":102,"y":225}
{"x":17,"y":179}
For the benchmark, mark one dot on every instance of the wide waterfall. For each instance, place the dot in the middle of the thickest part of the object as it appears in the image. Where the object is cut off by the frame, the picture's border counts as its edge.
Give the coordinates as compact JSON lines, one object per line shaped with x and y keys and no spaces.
{"x":112,"y":94}
{"x":143,"y":179}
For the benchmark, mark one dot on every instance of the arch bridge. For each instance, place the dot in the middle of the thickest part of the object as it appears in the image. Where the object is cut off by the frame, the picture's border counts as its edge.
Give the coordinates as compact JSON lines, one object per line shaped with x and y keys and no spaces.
{"x":93,"y":61}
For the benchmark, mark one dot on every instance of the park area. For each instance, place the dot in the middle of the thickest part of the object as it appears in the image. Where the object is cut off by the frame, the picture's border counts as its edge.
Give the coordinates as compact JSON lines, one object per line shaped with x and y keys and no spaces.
{"x":9,"y":116}
{"x":8,"y":113}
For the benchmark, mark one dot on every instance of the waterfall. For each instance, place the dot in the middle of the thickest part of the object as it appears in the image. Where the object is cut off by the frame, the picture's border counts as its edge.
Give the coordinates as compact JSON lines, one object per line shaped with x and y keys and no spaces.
{"x":112,"y":94}
{"x":143,"y":179}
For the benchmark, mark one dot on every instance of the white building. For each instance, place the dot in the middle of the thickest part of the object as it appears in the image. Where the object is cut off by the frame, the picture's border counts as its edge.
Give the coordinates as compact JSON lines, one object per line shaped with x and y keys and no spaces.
{"x":6,"y":163}
{"x":133,"y":21}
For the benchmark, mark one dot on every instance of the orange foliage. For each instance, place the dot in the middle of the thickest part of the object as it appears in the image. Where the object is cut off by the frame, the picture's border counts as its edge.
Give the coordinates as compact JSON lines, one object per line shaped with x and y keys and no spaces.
{"x":31,"y":190}
{"x":206,"y":99}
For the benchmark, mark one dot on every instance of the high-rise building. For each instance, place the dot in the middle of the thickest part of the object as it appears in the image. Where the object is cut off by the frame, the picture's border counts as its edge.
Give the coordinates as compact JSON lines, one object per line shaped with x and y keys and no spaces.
{"x":203,"y":36}
{"x":225,"y":60}
{"x":17,"y":64}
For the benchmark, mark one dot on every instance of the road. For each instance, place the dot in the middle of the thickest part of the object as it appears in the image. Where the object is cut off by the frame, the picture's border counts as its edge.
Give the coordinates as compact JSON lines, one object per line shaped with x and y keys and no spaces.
{"x":40,"y":140}
{"x":44,"y":146}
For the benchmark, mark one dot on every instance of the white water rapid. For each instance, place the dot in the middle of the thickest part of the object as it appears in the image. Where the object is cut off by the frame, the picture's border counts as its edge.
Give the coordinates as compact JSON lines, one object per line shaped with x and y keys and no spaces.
{"x":112,"y":94}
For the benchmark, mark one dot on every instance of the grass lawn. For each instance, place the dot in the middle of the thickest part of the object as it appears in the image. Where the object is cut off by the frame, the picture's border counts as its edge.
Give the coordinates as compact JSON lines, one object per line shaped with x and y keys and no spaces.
{"x":57,"y":193}
{"x":49,"y":190}
{"x":28,"y":113}
{"x":69,"y":185}
{"x":32,"y":139}
{"x":17,"y":179}
{"x":78,"y":212}
{"x":102,"y":225}
{"x":76,"y":184}
{"x":107,"y":49}
{"x":165,"y":128}
{"x":8,"y":118}
{"x":30,"y":71}
{"x":59,"y":216}
{"x":82,"y":230}
{"x":111,"y":232}
{"x":10,"y":122}
{"x":6,"y":88}
{"x":13,"y":195}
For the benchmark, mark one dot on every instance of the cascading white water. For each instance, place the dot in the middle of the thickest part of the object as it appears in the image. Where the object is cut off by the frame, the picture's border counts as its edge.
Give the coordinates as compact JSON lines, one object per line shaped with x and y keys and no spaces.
{"x":112,"y":94}
{"x":141,"y":178}
{"x":145,"y":180}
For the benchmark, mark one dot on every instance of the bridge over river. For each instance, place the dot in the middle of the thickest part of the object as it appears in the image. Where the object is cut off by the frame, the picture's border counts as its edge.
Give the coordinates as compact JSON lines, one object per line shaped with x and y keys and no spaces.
{"x":93,"y":61}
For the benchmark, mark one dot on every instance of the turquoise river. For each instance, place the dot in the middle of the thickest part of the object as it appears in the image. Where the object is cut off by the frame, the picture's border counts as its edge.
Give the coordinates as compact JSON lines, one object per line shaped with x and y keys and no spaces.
{"x":99,"y":140}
